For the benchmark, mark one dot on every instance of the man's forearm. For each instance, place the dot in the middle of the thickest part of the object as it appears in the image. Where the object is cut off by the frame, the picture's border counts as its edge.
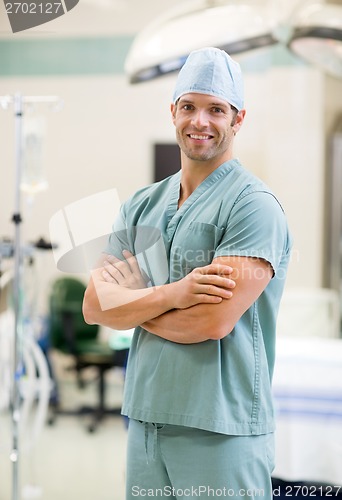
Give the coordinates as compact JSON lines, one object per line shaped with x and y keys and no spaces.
{"x":215,"y":321}
{"x":120,"y":308}
{"x":184,"y":326}
{"x":165,"y":327}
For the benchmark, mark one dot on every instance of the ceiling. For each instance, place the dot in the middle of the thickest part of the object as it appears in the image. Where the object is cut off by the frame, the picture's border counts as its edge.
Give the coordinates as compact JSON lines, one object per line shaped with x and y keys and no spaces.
{"x":120,"y":17}
{"x":94,"y":18}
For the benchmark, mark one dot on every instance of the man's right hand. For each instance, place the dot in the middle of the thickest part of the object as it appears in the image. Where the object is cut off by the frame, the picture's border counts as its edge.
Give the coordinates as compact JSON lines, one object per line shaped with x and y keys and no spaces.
{"x":204,"y":285}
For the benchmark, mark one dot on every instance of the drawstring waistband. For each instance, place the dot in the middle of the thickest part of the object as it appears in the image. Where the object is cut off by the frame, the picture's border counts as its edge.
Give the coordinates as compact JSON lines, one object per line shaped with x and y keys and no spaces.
{"x":151,"y":440}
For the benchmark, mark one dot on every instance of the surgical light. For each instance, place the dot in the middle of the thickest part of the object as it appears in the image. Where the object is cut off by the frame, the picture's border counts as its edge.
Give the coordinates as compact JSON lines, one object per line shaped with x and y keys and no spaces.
{"x":313,"y":32}
{"x":164,"y":45}
{"x":317,"y":37}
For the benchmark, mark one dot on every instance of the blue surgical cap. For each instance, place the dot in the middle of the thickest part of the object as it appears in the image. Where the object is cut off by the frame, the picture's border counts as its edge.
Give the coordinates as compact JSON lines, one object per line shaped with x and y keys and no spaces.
{"x":211,"y":71}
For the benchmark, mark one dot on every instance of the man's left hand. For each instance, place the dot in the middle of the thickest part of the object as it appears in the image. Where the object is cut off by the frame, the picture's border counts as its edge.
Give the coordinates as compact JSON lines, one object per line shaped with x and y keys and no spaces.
{"x":124,"y":272}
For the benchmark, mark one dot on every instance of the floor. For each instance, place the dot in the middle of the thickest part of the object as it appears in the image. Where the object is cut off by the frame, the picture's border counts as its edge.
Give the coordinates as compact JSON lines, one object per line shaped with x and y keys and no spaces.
{"x":67,"y":462}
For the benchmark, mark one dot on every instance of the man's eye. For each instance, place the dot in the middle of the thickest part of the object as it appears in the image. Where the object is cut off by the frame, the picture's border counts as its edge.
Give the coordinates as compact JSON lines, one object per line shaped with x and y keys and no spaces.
{"x":187,"y":107}
{"x":218,"y":110}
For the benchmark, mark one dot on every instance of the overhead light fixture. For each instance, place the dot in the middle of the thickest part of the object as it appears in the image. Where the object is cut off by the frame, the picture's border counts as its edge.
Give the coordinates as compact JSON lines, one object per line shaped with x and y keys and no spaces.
{"x":314,"y":34}
{"x":164,"y":45}
{"x":317,"y":37}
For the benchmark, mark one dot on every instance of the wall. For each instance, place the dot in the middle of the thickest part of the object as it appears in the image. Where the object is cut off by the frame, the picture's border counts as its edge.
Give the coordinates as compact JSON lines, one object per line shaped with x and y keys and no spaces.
{"x":104,"y":134}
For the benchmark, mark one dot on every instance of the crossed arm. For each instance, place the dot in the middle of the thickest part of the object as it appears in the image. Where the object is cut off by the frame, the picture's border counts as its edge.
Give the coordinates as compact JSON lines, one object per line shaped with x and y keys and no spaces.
{"x":199,"y":307}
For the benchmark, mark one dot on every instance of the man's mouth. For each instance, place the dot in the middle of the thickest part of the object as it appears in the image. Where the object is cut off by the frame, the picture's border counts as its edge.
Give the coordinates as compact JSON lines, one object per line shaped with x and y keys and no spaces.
{"x":200,"y":137}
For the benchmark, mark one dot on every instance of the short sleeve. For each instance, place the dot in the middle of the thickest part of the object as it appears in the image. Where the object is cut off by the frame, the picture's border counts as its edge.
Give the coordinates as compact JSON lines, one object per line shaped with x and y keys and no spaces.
{"x":145,"y":243}
{"x":118,"y":239}
{"x":256,"y":227}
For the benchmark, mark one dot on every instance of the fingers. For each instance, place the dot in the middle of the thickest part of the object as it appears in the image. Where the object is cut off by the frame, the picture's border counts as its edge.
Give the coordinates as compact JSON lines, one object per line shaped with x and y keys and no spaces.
{"x":215,"y":291}
{"x":218,"y":281}
{"x":108,"y":277}
{"x":124,"y":272}
{"x":205,"y":275}
{"x":208,"y":299}
{"x":111,"y":274}
{"x":217,"y":269}
{"x":120,"y":269}
{"x":132,"y":261}
{"x":114,"y":270}
{"x":212,"y":281}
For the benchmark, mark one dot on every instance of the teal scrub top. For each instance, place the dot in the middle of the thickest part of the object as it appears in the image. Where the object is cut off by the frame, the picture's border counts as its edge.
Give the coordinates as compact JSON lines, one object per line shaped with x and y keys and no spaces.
{"x":222,"y":385}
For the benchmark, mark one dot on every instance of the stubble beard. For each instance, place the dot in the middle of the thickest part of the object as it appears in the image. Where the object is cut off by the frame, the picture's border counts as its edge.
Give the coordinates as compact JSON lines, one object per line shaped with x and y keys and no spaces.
{"x":208,"y":153}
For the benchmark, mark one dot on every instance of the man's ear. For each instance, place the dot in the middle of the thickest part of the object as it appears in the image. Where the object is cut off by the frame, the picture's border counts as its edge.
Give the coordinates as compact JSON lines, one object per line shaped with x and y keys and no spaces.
{"x":239,"y":120}
{"x":173,"y":108}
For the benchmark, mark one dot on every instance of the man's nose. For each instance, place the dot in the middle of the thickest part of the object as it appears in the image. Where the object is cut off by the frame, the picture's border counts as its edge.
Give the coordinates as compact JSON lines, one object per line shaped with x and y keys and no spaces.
{"x":200,"y":119}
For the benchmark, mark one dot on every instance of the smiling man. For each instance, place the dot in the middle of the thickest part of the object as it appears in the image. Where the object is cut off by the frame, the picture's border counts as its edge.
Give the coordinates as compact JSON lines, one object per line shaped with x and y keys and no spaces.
{"x":201,"y":135}
{"x":198,"y":384}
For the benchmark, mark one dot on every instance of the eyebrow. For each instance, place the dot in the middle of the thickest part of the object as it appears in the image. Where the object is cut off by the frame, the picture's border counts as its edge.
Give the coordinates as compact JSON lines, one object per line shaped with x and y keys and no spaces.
{"x":185,"y":101}
{"x":217,"y":104}
{"x":220,"y":104}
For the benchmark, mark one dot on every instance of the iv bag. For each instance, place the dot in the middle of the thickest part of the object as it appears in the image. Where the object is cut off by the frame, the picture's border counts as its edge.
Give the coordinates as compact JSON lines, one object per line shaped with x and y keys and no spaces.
{"x":33,"y":178}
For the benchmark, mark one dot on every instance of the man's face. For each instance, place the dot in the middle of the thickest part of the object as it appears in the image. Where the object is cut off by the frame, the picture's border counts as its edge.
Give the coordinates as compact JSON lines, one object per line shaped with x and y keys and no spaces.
{"x":205,"y":126}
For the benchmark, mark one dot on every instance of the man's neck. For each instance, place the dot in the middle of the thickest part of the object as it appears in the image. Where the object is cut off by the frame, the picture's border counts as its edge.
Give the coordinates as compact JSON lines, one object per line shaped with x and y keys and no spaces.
{"x":193,"y":173}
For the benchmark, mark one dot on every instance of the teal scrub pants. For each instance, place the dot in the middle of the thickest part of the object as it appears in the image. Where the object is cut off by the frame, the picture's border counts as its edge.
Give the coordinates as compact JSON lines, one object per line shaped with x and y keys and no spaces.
{"x":170,"y":461}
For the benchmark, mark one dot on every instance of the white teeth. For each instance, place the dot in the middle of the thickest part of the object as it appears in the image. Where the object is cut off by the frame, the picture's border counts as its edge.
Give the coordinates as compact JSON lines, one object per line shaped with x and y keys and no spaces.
{"x":199,"y":137}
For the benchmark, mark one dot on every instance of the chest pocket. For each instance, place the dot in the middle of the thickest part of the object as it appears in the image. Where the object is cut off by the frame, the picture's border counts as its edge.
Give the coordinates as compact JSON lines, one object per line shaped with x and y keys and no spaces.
{"x":198,"y":247}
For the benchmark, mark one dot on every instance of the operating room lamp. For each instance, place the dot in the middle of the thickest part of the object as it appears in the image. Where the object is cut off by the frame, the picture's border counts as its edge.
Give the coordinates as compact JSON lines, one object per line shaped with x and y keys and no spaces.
{"x":313,"y":32}
{"x":317,"y":37}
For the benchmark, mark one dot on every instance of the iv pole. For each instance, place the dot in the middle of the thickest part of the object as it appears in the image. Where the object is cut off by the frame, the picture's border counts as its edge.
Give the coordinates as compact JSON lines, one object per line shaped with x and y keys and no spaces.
{"x":18,"y":102}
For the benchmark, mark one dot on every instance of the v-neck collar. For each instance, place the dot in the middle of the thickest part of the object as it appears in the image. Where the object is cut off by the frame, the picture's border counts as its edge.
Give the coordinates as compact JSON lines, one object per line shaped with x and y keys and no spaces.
{"x":173,"y":212}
